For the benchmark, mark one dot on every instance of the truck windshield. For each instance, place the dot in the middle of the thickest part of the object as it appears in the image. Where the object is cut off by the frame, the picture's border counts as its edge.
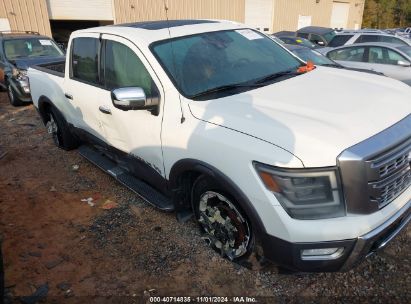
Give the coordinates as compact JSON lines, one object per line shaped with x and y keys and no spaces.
{"x":30,"y":47}
{"x":233,"y":59}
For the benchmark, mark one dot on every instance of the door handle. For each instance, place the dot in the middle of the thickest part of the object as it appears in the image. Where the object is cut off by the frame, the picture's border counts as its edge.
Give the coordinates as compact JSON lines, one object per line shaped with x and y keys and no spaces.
{"x":104,"y":109}
{"x":68,"y":96}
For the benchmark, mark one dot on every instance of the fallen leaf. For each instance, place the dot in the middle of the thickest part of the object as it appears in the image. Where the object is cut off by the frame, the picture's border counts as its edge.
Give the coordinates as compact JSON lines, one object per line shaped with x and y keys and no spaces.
{"x":108,"y":204}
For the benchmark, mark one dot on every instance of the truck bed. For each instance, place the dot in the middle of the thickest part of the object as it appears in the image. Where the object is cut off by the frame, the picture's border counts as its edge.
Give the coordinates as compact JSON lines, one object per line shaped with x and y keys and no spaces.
{"x":56,"y":68}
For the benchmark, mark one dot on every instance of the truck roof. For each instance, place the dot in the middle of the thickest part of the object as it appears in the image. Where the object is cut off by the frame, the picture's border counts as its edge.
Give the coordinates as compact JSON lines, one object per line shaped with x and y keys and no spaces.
{"x":148,"y":32}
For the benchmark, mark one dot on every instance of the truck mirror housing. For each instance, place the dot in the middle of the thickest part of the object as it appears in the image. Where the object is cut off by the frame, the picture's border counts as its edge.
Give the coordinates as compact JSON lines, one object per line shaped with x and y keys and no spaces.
{"x":132,"y":98}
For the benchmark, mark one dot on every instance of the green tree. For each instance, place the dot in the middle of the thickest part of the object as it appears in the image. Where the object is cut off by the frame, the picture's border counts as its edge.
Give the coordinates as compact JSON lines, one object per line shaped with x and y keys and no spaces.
{"x":387,"y":13}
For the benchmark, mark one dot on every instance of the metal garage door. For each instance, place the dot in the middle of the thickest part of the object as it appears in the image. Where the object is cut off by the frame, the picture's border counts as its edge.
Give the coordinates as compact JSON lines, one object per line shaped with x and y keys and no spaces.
{"x":80,"y":9}
{"x":258,"y":14}
{"x":339,"y":15}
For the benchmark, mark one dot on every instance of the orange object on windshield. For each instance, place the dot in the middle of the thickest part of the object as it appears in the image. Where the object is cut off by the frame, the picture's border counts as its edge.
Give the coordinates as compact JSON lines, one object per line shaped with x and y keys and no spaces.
{"x":307,"y":68}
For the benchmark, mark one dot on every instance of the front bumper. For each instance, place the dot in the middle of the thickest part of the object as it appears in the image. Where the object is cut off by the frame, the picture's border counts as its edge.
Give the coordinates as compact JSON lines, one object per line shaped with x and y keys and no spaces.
{"x":288,"y":254}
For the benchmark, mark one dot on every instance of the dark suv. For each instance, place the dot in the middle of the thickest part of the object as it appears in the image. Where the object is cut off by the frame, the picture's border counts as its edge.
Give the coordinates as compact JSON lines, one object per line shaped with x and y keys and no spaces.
{"x":19,"y":51}
{"x":321,"y":36}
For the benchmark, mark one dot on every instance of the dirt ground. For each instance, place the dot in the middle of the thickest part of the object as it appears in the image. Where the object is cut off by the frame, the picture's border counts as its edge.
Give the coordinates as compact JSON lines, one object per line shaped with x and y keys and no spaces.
{"x":63,"y":248}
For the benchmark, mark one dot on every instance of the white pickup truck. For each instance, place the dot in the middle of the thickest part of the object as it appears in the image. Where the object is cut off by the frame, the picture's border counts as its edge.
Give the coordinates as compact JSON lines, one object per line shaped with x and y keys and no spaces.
{"x":308,"y":166}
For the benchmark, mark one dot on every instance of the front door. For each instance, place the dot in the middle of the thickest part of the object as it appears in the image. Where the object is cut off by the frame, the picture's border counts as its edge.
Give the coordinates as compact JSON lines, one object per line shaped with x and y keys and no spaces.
{"x":135,"y":132}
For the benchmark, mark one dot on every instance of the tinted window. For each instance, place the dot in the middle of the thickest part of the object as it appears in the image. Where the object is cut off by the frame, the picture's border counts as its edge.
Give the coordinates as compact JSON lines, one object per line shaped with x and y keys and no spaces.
{"x":316,"y":38}
{"x":367,"y":38}
{"x":347,"y":54}
{"x":376,"y":55}
{"x":206,"y":61}
{"x":124,"y":69}
{"x":395,"y":40}
{"x":339,"y":40}
{"x":303,"y":35}
{"x":85,"y":59}
{"x":393,"y":57}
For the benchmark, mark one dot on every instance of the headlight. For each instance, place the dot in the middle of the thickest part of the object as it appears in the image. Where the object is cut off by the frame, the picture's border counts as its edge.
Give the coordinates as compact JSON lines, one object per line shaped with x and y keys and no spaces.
{"x":305,"y":194}
{"x":18,"y":73}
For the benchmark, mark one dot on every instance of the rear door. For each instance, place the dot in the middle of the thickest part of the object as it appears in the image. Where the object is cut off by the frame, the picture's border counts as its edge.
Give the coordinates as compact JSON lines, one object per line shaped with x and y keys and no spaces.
{"x":82,"y":86}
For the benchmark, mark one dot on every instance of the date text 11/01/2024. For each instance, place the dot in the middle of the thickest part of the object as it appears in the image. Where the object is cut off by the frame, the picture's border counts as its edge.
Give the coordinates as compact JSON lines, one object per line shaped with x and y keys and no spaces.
{"x":203,"y":299}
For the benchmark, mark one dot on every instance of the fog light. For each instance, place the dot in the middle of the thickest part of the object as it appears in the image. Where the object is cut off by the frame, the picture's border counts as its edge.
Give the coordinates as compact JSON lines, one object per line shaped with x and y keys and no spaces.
{"x":322,"y":253}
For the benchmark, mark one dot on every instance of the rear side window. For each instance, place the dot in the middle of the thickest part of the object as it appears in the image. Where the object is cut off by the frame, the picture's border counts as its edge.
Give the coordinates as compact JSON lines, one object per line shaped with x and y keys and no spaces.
{"x":347,"y":54}
{"x":367,"y":38}
{"x":303,"y":35}
{"x":84,"y":59}
{"x":124,"y":69}
{"x":339,"y":40}
{"x":395,"y":40}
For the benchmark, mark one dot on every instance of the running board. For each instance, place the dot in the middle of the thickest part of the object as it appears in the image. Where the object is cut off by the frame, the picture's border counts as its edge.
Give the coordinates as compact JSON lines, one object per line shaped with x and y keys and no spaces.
{"x":142,"y":189}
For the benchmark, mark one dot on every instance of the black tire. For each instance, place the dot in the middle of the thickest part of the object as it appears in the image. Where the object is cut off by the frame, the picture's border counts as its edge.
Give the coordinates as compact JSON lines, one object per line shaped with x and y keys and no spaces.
{"x":58,"y":128}
{"x":13,"y":99}
{"x":226,"y":227}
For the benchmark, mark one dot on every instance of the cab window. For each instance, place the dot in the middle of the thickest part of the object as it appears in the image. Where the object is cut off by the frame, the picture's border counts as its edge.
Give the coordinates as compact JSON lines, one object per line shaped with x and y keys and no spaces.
{"x":84,"y":59}
{"x":122,"y":68}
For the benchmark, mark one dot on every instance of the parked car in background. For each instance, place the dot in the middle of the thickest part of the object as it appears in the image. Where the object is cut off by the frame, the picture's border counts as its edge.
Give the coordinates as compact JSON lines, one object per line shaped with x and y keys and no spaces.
{"x":391,"y":60}
{"x":321,"y":36}
{"x":19,"y":51}
{"x":316,"y":174}
{"x":297,"y":41}
{"x":348,"y":38}
{"x":284,"y":33}
{"x":317,"y":58}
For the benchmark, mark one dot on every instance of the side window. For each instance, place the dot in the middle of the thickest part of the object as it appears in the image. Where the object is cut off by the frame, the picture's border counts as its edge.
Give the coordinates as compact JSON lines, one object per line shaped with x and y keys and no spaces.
{"x":124,"y":69}
{"x":303,"y":35}
{"x":339,"y":40}
{"x":347,"y":54}
{"x":376,"y":55}
{"x":394,"y":57}
{"x":84,"y":59}
{"x":395,"y":40}
{"x":316,"y":38}
{"x":367,"y":38}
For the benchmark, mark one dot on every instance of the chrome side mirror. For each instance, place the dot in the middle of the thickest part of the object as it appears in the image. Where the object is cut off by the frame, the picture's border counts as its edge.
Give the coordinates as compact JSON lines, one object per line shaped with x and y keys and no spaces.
{"x":134,"y":98}
{"x":403,"y":63}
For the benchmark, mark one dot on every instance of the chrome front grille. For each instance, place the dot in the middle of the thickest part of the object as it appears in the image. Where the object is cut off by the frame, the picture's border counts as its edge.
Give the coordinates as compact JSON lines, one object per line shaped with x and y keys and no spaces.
{"x":375,"y":171}
{"x":390,"y":174}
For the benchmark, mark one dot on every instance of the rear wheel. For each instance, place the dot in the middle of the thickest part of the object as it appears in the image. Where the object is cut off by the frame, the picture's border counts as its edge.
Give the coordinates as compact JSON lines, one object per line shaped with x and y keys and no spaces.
{"x":58,"y":129}
{"x":14,"y":100}
{"x":226,"y":229}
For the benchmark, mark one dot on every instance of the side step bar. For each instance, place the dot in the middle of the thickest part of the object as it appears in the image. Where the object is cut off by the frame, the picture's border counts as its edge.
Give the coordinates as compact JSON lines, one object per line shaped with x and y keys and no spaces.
{"x":142,"y":189}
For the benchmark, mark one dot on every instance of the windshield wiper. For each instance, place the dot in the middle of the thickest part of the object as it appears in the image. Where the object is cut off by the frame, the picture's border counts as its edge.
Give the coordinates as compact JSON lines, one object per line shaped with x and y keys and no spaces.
{"x":333,"y":65}
{"x":277,"y":75}
{"x":224,"y":88}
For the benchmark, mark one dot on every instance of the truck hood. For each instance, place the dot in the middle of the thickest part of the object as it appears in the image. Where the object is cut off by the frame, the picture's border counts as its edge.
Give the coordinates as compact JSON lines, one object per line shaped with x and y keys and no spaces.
{"x":25,"y":63}
{"x":314,"y":116}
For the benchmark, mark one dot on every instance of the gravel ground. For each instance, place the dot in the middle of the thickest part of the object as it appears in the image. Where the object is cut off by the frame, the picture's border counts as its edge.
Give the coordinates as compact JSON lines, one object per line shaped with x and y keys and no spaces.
{"x":62,"y":248}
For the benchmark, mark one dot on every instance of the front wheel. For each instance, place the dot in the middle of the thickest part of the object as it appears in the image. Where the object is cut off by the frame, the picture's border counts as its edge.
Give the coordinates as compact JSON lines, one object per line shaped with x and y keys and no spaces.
{"x":14,"y":100}
{"x":226,"y":228}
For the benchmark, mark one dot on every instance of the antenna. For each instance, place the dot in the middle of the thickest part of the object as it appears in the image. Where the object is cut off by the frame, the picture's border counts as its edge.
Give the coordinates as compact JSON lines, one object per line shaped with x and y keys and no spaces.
{"x":174,"y":59}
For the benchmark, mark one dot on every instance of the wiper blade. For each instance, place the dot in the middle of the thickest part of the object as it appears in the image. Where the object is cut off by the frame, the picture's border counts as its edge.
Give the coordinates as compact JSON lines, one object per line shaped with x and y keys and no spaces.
{"x":224,"y":88}
{"x":333,"y":65}
{"x":277,"y":75}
